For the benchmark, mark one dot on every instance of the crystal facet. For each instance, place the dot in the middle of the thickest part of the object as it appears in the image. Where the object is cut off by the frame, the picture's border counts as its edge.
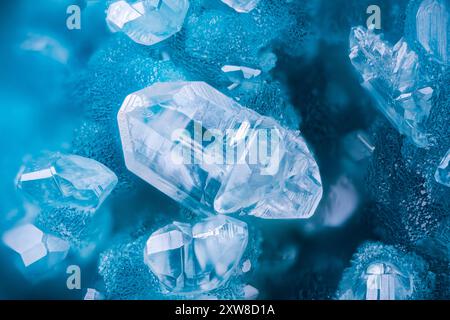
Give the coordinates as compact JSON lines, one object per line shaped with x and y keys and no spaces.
{"x":390,"y":76}
{"x":442,"y":174}
{"x":382,"y":282}
{"x":38,"y":251}
{"x":147,"y":21}
{"x":239,"y":74}
{"x":242,"y":6}
{"x":67,"y":180}
{"x":432,"y":28}
{"x":198,"y":258}
{"x":211,"y":154}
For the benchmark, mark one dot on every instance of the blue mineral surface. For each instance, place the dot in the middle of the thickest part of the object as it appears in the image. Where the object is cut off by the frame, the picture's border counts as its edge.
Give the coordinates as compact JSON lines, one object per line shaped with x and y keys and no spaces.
{"x":369,"y":117}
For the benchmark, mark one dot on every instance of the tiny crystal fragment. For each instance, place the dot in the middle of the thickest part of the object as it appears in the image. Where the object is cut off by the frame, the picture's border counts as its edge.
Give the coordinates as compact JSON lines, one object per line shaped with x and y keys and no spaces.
{"x":442,"y":174}
{"x":432,"y":28}
{"x":147,"y":22}
{"x":243,"y":6}
{"x":198,"y":258}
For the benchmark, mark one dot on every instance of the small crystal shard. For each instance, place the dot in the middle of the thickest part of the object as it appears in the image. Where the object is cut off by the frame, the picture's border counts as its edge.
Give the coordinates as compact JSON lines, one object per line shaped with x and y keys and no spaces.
{"x":250,"y":292}
{"x":390,"y":76}
{"x":38,"y":251}
{"x":198,"y":258}
{"x":147,"y":22}
{"x":211,"y":154}
{"x":432,"y":28}
{"x":92,"y":294}
{"x":239,"y":74}
{"x":242,"y":6}
{"x":442,"y":174}
{"x":67,"y":180}
{"x":383,"y":282}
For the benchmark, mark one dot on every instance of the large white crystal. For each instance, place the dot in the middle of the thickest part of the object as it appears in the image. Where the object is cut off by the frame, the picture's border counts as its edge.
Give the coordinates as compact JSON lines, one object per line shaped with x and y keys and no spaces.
{"x":66,"y":180}
{"x":390,"y":75}
{"x":196,"y":259}
{"x":147,"y":21}
{"x":209,"y":153}
{"x":433,"y":28}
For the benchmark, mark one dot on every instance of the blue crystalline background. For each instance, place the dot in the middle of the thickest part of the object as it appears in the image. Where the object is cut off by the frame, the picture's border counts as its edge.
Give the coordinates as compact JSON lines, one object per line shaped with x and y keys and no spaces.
{"x":70,"y":105}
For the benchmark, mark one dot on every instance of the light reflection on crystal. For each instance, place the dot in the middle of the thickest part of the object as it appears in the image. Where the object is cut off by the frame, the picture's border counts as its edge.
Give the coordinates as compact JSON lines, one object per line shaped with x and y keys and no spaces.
{"x":432,"y":28}
{"x":39,"y":252}
{"x":147,"y":22}
{"x":196,"y":259}
{"x":66,"y":180}
{"x":442,"y":174}
{"x":390,"y":75}
{"x":283,"y":182}
{"x":242,"y":6}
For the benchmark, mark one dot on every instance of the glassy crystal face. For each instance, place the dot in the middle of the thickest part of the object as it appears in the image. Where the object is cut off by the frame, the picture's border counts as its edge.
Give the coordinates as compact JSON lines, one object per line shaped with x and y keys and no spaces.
{"x":242,"y":5}
{"x":384,"y":282}
{"x":147,"y":21}
{"x":66,"y":180}
{"x":38,"y":251}
{"x":213,"y":155}
{"x":198,"y":258}
{"x":432,"y":28}
{"x":92,"y":294}
{"x":240,"y":74}
{"x":442,"y":174}
{"x":390,"y":76}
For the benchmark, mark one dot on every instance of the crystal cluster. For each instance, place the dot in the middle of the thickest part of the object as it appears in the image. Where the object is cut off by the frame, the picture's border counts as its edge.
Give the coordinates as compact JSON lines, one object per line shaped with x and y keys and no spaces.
{"x":198,"y":258}
{"x":39,"y":251}
{"x":147,"y":22}
{"x":242,"y":6}
{"x":442,"y":174}
{"x":67,"y":180}
{"x":433,"y":28}
{"x":390,"y":75}
{"x":225,"y":159}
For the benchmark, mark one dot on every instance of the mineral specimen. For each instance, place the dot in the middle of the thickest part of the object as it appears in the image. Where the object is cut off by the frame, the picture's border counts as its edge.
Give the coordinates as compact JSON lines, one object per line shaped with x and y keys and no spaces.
{"x":39,"y":252}
{"x":442,"y":174}
{"x":66,"y":180}
{"x":390,"y":75}
{"x":211,"y":154}
{"x":198,"y":258}
{"x":147,"y":22}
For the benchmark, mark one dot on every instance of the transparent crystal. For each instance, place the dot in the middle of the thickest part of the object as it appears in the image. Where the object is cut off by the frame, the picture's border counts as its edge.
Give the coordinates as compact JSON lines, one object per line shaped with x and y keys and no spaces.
{"x":93,"y":294}
{"x":38,"y":251}
{"x":147,"y":21}
{"x":432,"y":28}
{"x":242,"y":6}
{"x":198,"y":258}
{"x":384,"y":282}
{"x":211,"y":154}
{"x":66,"y":180}
{"x":442,"y":174}
{"x":239,"y":74}
{"x":250,"y":292}
{"x":390,"y":75}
